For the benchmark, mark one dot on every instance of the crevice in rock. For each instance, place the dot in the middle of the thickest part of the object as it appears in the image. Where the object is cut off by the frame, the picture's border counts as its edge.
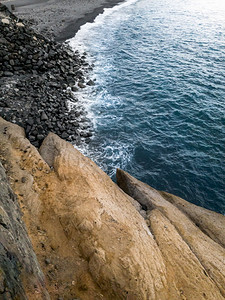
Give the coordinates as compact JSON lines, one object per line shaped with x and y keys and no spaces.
{"x":212,"y":236}
{"x":196,"y":255}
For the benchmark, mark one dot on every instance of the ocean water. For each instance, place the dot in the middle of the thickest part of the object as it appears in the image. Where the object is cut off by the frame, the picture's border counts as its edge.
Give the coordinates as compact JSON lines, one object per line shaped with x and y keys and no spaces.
{"x":158,"y":105}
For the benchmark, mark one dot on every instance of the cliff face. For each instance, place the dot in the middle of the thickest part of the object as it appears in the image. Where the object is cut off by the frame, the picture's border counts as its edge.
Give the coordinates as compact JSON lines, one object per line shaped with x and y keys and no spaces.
{"x":20,"y":274}
{"x":89,"y":239}
{"x":94,"y":241}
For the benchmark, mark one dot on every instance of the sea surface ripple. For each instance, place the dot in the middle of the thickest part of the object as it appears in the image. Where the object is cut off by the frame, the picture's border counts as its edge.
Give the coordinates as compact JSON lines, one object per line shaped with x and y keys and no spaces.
{"x":159,"y":101}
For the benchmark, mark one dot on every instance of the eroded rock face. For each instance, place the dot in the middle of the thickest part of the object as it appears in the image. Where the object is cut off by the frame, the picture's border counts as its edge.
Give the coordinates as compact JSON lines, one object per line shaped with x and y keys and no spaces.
{"x":96,"y":244}
{"x":94,"y":241}
{"x":190,"y":238}
{"x":20,"y":273}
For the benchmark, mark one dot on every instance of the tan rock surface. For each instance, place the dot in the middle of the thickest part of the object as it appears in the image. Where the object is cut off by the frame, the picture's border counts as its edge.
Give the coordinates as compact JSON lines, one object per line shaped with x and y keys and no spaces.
{"x":187,"y":277}
{"x":210,"y":222}
{"x":92,"y":239}
{"x":208,"y":257}
{"x":96,"y":244}
{"x":20,"y":273}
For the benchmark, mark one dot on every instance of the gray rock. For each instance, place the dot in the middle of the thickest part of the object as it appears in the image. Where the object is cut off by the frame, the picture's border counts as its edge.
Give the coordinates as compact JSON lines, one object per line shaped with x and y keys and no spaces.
{"x":90,"y":82}
{"x":81,"y":85}
{"x":40,"y":137}
{"x":7,"y":73}
{"x":86,"y":134}
{"x":74,"y":89}
{"x":44,"y":69}
{"x":64,"y":135}
{"x":30,"y":121}
{"x":32,"y":138}
{"x":44,"y":117}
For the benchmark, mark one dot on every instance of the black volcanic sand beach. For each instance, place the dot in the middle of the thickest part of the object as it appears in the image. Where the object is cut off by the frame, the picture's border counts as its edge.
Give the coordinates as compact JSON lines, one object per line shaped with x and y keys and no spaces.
{"x":59,"y":19}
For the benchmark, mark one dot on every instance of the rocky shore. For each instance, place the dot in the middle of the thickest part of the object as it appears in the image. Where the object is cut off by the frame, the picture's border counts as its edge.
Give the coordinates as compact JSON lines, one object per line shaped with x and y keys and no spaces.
{"x":38,"y":78}
{"x":67,"y":232}
{"x":97,"y":240}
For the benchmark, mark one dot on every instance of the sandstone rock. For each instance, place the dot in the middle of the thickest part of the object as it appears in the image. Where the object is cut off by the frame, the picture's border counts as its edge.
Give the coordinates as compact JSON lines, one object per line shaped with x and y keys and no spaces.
{"x":93,"y":241}
{"x":208,"y":221}
{"x":91,"y":231}
{"x":195,"y":262}
{"x":20,"y":273}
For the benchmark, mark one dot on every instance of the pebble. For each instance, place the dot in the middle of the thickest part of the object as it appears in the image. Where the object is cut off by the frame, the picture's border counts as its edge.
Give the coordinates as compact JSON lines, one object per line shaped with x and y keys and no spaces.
{"x":19,"y":24}
{"x":90,"y":82}
{"x":44,"y":116}
{"x":81,"y":85}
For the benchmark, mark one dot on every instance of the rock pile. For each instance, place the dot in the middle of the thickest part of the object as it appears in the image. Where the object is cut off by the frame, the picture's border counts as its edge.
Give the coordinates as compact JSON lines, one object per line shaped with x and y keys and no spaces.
{"x":37,"y":79}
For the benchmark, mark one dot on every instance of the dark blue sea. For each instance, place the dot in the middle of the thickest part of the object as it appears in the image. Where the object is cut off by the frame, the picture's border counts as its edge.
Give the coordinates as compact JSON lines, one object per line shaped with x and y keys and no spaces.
{"x":158,"y":105}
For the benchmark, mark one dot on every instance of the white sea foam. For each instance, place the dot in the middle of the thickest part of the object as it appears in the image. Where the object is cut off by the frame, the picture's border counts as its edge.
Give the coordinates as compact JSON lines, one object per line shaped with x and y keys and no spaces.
{"x":78,"y":42}
{"x":115,"y":152}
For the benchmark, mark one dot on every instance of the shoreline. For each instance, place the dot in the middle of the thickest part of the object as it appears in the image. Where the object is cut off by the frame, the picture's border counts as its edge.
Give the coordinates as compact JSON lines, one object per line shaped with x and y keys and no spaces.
{"x":57,"y":20}
{"x":51,"y":69}
{"x":72,"y":28}
{"x":66,"y":230}
{"x":37,"y":84}
{"x":78,"y":222}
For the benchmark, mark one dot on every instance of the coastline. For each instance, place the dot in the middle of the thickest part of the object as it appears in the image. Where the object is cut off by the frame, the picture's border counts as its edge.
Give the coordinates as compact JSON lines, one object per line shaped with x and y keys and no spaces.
{"x":66,"y":230}
{"x":57,"y":20}
{"x":37,"y":88}
{"x":91,"y":235}
{"x":74,"y":26}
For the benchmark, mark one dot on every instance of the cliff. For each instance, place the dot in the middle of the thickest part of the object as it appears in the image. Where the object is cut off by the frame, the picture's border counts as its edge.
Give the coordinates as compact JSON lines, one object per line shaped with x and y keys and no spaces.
{"x":20,"y":273}
{"x":97,"y":240}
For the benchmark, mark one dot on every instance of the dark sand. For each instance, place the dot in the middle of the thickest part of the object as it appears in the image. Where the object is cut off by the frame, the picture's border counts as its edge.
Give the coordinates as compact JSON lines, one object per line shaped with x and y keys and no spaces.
{"x":59,"y":19}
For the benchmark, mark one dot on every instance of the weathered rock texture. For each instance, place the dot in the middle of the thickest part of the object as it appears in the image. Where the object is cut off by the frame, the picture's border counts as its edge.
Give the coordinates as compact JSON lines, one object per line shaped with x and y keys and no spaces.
{"x":89,"y":236}
{"x":190,"y":238}
{"x":20,"y":274}
{"x":95,"y":244}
